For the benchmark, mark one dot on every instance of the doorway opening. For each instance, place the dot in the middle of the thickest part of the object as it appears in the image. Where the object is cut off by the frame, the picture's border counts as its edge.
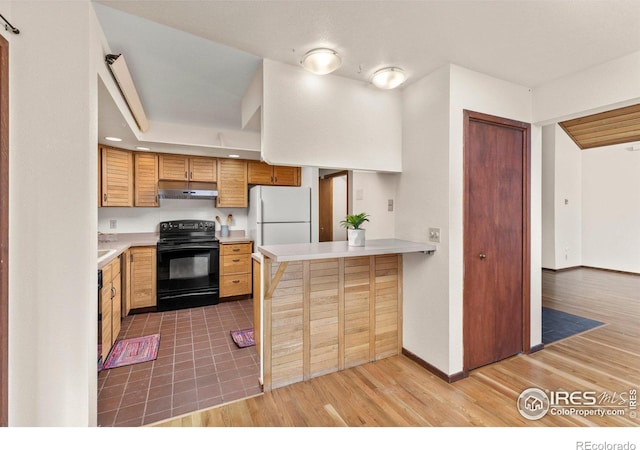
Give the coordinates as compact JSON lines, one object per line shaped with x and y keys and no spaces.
{"x":333,"y":204}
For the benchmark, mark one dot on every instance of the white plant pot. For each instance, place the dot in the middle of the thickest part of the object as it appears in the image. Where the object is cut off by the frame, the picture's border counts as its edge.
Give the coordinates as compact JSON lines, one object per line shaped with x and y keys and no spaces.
{"x":356,"y":238}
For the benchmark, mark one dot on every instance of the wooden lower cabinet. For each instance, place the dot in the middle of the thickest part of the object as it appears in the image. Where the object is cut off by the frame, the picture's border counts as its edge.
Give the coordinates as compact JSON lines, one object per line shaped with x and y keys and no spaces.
{"x":142,"y":277}
{"x":110,"y":305}
{"x":235,"y":269}
{"x":322,"y":316}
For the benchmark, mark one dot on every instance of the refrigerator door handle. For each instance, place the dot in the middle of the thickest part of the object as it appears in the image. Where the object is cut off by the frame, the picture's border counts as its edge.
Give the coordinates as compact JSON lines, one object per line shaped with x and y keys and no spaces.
{"x":261,"y":211}
{"x":260,"y":215}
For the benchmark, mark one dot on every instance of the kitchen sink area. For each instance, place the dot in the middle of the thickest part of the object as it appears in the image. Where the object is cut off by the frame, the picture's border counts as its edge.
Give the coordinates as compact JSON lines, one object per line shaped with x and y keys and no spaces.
{"x":105,"y":253}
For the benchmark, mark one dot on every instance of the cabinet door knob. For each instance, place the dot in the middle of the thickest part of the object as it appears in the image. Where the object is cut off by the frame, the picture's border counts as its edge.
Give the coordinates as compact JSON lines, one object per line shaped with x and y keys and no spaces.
{"x":236,"y":281}
{"x":235,"y":260}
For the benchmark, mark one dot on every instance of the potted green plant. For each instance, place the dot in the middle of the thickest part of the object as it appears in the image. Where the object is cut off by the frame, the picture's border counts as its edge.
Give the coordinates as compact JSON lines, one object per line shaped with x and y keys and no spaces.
{"x":352,"y":223}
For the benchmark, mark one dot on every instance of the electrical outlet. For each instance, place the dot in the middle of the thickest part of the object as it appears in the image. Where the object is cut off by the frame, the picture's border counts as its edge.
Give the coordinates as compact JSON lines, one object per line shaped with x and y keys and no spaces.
{"x":434,"y":235}
{"x":113,"y":224}
{"x":390,"y":204}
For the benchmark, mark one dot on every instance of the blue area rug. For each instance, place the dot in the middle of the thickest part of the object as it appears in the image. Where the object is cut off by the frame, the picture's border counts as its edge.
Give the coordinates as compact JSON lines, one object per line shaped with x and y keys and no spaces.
{"x":558,"y":325}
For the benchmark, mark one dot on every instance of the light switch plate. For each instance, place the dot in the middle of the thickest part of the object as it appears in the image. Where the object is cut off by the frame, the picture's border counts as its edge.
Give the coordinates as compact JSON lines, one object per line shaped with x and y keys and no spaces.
{"x":113,"y":224}
{"x":390,"y":204}
{"x":434,"y":235}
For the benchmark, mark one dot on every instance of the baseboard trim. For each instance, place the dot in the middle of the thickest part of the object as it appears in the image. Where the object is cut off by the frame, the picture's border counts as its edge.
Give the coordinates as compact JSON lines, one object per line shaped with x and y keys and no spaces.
{"x":536,"y":348}
{"x":566,"y":269}
{"x":611,"y":270}
{"x":434,"y":370}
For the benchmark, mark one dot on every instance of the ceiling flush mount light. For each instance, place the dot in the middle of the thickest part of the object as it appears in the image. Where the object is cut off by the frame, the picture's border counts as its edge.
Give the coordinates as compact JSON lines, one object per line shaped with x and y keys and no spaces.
{"x":234,"y":156}
{"x":142,"y":148}
{"x":113,"y":139}
{"x":388,"y":78}
{"x":321,"y":61}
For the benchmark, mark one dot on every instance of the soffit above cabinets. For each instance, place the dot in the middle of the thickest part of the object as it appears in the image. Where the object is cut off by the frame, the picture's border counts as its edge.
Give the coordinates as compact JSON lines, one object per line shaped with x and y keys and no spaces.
{"x":617,"y":126}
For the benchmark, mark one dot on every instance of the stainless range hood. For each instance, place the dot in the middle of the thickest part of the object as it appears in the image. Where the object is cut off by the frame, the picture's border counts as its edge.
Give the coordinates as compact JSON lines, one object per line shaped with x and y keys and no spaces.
{"x":187,"y":190}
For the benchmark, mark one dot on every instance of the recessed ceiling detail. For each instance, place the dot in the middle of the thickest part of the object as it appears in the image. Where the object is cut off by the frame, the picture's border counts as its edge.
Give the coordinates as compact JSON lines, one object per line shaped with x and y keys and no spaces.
{"x":617,"y":126}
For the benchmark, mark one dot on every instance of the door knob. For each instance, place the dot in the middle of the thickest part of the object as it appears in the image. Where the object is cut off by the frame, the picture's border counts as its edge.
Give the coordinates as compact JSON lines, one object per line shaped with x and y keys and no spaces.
{"x":482,"y":256}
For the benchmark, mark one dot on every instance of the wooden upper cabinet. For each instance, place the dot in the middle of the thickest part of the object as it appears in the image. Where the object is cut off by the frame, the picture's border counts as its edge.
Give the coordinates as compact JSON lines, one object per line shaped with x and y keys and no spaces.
{"x":116,"y":177}
{"x":146,"y":179}
{"x":232,"y":184}
{"x":173,"y":167}
{"x":202,"y":169}
{"x":286,"y":176}
{"x":261,"y":173}
{"x":187,"y":168}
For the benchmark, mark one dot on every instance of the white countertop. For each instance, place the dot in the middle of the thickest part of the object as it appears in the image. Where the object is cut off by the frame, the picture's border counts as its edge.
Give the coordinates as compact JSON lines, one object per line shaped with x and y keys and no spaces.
{"x":341,"y":249}
{"x":123,"y":241}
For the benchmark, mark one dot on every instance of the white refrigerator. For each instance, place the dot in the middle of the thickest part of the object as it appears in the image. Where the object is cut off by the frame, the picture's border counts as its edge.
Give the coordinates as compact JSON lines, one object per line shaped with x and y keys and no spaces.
{"x":279,"y":215}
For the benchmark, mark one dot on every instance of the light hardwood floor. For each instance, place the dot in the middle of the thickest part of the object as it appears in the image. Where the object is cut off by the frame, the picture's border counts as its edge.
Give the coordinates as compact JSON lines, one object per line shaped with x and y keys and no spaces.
{"x":397,"y":392}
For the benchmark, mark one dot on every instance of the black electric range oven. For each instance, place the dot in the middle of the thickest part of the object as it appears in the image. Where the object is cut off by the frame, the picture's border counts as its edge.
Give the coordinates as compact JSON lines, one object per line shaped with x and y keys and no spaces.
{"x":188,"y":265}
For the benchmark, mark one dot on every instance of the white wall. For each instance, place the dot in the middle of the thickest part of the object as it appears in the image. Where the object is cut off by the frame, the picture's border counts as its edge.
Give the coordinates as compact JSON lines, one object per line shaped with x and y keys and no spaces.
{"x":329,"y":121}
{"x":599,"y":225}
{"x":561,"y":200}
{"x":611,"y":208}
{"x":139,"y":220}
{"x":567,"y":201}
{"x":52,"y":216}
{"x":548,"y":196}
{"x":423,"y":202}
{"x":371,"y":193}
{"x":602,"y":87}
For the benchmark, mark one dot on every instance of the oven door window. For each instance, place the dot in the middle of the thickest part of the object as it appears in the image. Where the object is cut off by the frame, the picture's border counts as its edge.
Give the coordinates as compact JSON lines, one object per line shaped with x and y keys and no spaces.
{"x":189,"y":267}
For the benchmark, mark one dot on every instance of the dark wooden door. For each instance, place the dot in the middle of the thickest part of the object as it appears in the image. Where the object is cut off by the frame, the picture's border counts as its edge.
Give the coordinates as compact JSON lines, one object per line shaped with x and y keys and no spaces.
{"x":496,"y":256}
{"x":325,"y":207}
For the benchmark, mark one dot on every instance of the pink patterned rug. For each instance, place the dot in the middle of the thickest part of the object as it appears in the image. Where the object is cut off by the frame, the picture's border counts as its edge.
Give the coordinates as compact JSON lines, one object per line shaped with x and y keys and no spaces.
{"x":243,"y":338}
{"x":132,"y":351}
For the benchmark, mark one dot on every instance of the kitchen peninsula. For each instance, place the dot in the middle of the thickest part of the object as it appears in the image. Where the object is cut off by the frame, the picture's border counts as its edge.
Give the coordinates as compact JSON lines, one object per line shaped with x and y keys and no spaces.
{"x":329,"y":306}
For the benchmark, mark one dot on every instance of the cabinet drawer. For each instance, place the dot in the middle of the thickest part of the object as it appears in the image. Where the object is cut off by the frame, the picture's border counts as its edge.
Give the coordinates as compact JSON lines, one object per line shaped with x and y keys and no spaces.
{"x":235,"y":249}
{"x":232,"y":264}
{"x":238,"y":284}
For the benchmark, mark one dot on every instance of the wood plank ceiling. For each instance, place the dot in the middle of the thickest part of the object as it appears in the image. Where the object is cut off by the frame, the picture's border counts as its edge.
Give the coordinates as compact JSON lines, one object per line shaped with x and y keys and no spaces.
{"x":617,"y":126}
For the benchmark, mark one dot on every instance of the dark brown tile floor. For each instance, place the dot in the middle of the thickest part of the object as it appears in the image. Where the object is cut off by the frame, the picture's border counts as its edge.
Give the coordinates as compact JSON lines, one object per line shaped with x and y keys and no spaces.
{"x":198,"y":366}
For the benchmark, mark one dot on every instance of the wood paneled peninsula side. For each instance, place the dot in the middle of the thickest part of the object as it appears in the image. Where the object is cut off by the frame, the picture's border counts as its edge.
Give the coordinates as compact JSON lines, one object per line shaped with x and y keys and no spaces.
{"x":327,"y":306}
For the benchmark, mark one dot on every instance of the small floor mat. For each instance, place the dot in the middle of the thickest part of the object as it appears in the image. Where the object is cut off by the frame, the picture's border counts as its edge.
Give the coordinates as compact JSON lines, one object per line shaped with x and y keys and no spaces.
{"x":558,"y":325}
{"x":132,"y":351}
{"x":243,"y":338}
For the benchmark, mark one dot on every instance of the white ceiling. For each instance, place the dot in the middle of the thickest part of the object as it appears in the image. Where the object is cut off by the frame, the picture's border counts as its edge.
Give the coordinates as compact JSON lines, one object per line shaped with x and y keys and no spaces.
{"x":192,"y":60}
